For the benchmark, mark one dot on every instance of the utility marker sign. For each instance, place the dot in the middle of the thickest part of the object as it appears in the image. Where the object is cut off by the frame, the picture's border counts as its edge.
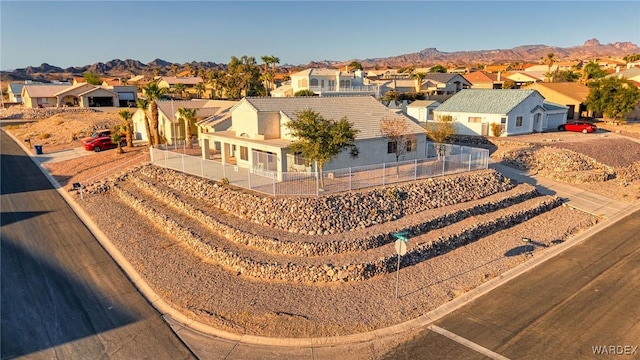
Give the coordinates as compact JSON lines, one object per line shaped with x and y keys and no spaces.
{"x":401,"y":249}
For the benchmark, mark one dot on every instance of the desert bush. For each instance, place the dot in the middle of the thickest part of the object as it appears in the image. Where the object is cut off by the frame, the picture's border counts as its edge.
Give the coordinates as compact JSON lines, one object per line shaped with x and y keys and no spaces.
{"x":496,"y":129}
{"x":44,"y":136}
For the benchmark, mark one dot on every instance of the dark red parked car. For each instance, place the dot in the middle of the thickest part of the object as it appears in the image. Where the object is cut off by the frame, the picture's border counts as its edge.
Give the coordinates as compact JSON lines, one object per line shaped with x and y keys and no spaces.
{"x":579,"y":126}
{"x":102,"y":143}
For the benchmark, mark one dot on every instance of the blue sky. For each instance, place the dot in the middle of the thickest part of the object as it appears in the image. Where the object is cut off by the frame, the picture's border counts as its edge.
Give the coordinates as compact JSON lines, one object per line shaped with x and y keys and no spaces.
{"x":78,"y":33}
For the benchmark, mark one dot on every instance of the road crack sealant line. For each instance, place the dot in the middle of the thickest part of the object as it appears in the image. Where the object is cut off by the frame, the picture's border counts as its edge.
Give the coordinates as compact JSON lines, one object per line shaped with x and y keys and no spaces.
{"x":420,"y":322}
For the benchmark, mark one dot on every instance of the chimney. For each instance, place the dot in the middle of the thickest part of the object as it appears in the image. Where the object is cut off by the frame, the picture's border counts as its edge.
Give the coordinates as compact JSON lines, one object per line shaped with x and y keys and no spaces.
{"x":617,"y":69}
{"x":499,"y":75}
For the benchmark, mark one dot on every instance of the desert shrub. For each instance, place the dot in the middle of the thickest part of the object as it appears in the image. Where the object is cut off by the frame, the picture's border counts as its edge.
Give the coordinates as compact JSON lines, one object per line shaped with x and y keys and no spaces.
{"x":13,"y":127}
{"x":496,"y":129}
{"x":224,"y":181}
{"x":44,"y":136}
{"x":59,"y":122}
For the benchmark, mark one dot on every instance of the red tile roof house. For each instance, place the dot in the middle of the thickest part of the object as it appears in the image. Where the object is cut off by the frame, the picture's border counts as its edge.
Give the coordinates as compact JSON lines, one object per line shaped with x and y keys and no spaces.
{"x":485,"y":80}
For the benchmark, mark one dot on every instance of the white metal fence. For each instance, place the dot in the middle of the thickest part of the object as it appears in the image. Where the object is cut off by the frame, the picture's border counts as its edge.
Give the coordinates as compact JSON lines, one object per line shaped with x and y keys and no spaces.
{"x":442,"y":159}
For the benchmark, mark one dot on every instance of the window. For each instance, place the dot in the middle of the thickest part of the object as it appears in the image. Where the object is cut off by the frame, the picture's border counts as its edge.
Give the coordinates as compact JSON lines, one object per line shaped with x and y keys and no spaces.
{"x":392,"y":147}
{"x":298,"y":159}
{"x":410,"y":146}
{"x":345,"y":83}
{"x":519,"y":121}
{"x":244,"y":153}
{"x":302,"y":83}
{"x":313,"y":82}
{"x":475,"y":119}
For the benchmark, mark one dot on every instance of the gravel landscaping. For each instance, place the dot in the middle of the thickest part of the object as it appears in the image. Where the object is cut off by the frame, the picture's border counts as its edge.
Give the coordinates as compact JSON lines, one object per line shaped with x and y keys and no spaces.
{"x":325,"y":266}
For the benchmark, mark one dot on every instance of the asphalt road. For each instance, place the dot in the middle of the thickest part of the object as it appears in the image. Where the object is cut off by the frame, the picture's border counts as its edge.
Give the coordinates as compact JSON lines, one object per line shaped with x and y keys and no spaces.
{"x":62,"y":296}
{"x":585,"y":297}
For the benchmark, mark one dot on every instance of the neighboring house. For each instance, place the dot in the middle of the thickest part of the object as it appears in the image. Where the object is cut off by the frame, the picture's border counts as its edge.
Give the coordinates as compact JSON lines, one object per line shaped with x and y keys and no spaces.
{"x":170,"y":82}
{"x":485,"y":80}
{"x":386,"y":74}
{"x":611,"y":64}
{"x":523,"y":78}
{"x":80,"y":94}
{"x":632,"y":74}
{"x":518,"y":111}
{"x":170,"y":127}
{"x":431,"y":84}
{"x":259,"y":139}
{"x":15,"y":93}
{"x":570,"y":94}
{"x":331,"y":82}
{"x":498,"y":68}
{"x":422,"y":110}
{"x":34,"y":96}
{"x":284,"y":90}
{"x":445,"y":84}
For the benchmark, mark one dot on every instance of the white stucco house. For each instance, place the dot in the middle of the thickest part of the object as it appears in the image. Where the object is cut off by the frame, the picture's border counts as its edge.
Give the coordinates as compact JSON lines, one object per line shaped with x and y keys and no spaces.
{"x":518,"y":111}
{"x":259,"y":138}
{"x":328,"y":82}
{"x":422,"y":110}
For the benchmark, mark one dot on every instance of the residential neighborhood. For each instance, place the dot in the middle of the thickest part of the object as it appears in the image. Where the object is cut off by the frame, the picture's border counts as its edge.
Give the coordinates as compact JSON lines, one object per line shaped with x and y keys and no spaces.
{"x":319,"y":180}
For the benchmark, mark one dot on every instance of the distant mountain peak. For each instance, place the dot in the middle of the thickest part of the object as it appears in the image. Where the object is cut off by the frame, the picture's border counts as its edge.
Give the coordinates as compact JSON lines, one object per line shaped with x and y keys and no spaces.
{"x":592,"y":42}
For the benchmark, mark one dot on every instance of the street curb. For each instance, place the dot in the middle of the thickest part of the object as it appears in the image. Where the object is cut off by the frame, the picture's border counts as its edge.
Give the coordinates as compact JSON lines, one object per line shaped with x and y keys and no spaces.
{"x":418,"y":323}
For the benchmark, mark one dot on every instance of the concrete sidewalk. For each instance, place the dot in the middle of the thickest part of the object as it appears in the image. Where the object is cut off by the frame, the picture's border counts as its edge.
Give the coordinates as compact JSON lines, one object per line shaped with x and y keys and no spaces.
{"x":577,"y":198}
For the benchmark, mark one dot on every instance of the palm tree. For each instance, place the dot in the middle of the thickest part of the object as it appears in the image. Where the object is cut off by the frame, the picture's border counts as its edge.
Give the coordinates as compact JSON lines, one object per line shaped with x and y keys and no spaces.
{"x":126,"y":116}
{"x":418,"y":77}
{"x":274,"y":60}
{"x":189,"y":115}
{"x":266,"y":59}
{"x":154,"y":92}
{"x":143,"y":105}
{"x":180,"y":88}
{"x":549,"y":61}
{"x":200,"y":89}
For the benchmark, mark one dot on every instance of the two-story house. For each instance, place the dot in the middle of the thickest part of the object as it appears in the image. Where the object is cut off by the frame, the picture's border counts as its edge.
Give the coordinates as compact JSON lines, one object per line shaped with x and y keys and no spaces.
{"x":259,"y":138}
{"x":329,"y":82}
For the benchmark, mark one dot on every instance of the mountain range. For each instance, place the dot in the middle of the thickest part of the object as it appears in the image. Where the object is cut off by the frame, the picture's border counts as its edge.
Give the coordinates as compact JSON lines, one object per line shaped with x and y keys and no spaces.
{"x":591,"y":49}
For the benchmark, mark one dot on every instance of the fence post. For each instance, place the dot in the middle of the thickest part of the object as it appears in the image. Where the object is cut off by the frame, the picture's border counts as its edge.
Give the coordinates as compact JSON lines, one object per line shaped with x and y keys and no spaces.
{"x":183,"y":163}
{"x":224,"y":170}
{"x":151,"y":149}
{"x":273,"y":178}
{"x":384,"y":172}
{"x":415,"y":169}
{"x":317,"y":183}
{"x":470,"y":161}
{"x":249,"y":176}
{"x":444,"y":159}
{"x":349,"y":178}
{"x":166,"y":158}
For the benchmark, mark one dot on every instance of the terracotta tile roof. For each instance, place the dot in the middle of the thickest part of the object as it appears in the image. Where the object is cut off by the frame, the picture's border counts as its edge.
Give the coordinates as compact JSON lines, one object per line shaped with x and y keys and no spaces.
{"x":172,"y":80}
{"x":481,"y":77}
{"x":572,"y":90}
{"x":364,"y":112}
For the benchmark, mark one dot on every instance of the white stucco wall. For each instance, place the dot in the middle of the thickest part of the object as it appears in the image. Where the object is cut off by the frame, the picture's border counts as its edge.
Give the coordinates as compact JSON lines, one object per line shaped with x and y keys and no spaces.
{"x":244,"y":120}
{"x":374,"y":151}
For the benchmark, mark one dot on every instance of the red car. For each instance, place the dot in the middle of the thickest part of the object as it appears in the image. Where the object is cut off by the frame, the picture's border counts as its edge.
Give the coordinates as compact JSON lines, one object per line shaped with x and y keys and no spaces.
{"x":102,"y":143}
{"x":579,"y":126}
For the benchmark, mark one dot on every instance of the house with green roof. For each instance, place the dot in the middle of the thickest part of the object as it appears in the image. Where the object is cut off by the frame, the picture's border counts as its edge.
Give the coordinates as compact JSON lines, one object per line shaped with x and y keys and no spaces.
{"x":259,"y":139}
{"x":518,"y":111}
